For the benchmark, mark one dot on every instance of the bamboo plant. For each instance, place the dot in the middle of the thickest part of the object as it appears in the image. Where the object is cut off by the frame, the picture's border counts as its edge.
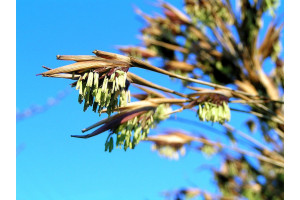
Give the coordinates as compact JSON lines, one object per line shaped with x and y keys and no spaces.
{"x":217,"y":54}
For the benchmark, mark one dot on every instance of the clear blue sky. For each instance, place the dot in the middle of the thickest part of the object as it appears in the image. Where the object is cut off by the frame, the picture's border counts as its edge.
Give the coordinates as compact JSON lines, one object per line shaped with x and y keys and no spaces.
{"x":52,"y":165}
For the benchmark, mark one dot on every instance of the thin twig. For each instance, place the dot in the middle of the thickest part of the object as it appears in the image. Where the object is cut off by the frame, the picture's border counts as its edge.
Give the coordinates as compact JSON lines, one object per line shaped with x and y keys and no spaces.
{"x":254,"y":141}
{"x":242,"y":151}
{"x":165,"y":45}
{"x":256,"y":101}
{"x":207,"y":127}
{"x":259,"y":115}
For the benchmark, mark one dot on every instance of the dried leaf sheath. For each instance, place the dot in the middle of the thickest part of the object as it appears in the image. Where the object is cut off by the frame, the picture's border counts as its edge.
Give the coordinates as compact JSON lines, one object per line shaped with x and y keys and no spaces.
{"x":113,"y":123}
{"x":78,"y":66}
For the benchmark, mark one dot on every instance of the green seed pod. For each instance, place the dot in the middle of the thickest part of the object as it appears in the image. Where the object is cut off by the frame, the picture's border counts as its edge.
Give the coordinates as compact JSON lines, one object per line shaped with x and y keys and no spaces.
{"x":122,"y":98}
{"x":106,"y":145}
{"x":96,"y":80}
{"x":108,"y":99}
{"x":221,"y":112}
{"x":208,"y":115}
{"x":80,"y":98}
{"x":78,"y":84}
{"x":112,"y":78}
{"x":125,"y":77}
{"x":81,"y":88}
{"x":203,"y":114}
{"x":200,"y":109}
{"x":104,"y":85}
{"x":94,"y":92}
{"x":95,"y":105}
{"x":120,"y":81}
{"x":113,"y":86}
{"x":126,"y":144}
{"x":135,"y":120}
{"x":85,"y":106}
{"x":137,"y":132}
{"x":218,"y":114}
{"x":109,"y":110}
{"x":206,"y":106}
{"x":90,"y":79}
{"x":98,"y":95}
{"x":111,"y":144}
{"x":116,"y":94}
{"x":87,"y":94}
{"x":213,"y":114}
{"x":227,"y":111}
{"x":103,"y":97}
{"x":91,"y":100}
{"x":131,"y":145}
{"x":117,"y":84}
{"x":84,"y":76}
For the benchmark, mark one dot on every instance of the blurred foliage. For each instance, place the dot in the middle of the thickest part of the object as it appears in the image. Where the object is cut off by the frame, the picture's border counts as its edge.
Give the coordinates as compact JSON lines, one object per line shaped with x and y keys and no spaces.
{"x":209,"y":35}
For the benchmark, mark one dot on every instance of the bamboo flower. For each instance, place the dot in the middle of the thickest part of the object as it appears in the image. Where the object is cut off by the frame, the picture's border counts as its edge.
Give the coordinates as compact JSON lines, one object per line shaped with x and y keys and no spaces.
{"x":131,"y":125}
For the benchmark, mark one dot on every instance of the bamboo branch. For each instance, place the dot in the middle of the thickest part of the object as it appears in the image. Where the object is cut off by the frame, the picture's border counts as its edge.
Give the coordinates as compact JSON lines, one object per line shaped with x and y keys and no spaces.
{"x":141,"y":64}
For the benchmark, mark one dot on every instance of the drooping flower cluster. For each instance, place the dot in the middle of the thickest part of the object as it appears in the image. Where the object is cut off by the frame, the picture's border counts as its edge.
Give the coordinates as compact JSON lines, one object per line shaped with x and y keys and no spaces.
{"x":101,"y":90}
{"x":102,"y":83}
{"x":214,"y":108}
{"x":130,"y":133}
{"x":213,"y":112}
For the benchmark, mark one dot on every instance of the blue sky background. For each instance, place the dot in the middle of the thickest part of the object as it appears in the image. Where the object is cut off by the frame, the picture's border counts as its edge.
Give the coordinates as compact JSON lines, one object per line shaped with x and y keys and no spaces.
{"x":51,"y":164}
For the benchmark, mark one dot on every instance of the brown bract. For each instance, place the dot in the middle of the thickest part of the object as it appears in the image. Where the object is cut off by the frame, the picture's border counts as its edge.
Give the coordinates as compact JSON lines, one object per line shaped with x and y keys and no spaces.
{"x":83,"y":63}
{"x":143,"y":52}
{"x":182,"y":66}
{"x":113,"y":122}
{"x":172,"y":138}
{"x":180,"y":16}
